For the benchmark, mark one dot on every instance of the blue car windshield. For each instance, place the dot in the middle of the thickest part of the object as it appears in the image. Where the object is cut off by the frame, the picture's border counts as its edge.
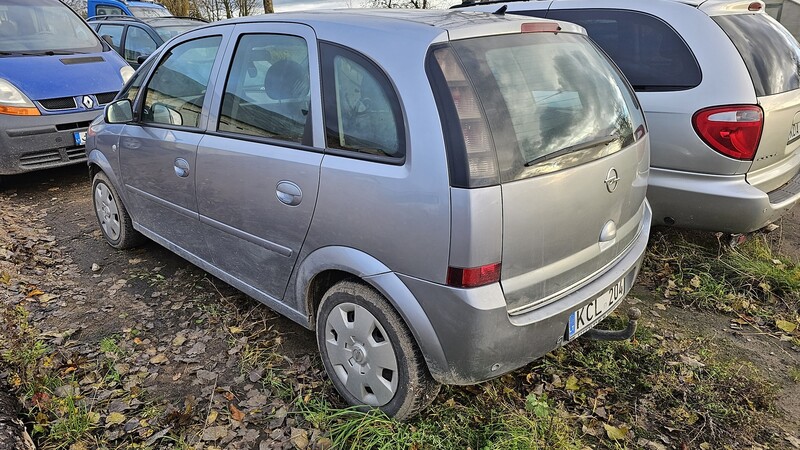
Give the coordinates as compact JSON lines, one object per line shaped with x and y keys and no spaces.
{"x":34,"y":27}
{"x":148,"y":11}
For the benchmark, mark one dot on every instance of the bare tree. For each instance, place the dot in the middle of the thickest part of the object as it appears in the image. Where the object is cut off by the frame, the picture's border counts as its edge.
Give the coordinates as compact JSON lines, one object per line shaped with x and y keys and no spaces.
{"x":268,"y":7}
{"x":245,"y":7}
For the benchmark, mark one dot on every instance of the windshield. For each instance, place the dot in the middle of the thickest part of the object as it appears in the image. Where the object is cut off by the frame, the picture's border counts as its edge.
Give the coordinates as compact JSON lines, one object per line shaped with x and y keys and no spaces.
{"x":565,"y":102}
{"x":149,"y":11}
{"x":43,"y":27}
{"x":168,"y":33}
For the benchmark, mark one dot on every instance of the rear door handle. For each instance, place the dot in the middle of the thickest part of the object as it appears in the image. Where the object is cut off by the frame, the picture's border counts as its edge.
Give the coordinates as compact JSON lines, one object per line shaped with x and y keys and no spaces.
{"x":181,"y":167}
{"x":289,"y":193}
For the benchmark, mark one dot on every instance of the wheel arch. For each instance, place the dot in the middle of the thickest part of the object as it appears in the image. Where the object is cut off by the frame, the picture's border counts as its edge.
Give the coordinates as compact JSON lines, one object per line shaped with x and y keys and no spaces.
{"x":327,"y":266}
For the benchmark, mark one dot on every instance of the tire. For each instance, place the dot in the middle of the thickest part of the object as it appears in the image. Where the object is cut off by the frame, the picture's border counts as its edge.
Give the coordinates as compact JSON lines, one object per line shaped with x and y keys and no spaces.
{"x":114,"y":220}
{"x":362,"y":338}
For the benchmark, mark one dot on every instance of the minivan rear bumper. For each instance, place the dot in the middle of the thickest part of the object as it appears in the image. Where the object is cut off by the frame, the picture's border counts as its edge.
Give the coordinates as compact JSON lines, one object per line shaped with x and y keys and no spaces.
{"x":40,"y":142}
{"x":726,"y":203}
{"x":481,"y":341}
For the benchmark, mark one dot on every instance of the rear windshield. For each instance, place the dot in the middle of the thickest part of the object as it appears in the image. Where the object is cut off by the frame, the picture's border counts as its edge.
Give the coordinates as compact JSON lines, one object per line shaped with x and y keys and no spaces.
{"x":771,"y":53}
{"x":565,"y":102}
{"x":40,"y":27}
{"x":147,"y":11}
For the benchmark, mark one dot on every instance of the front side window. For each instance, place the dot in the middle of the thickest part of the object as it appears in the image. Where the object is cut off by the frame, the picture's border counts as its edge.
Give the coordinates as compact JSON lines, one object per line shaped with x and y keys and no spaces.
{"x":362,"y":112}
{"x":138,"y":43}
{"x":175,"y":92}
{"x":132,"y":88}
{"x":267,"y":93}
{"x":648,"y":51}
{"x":115,"y":31}
{"x":43,"y":26}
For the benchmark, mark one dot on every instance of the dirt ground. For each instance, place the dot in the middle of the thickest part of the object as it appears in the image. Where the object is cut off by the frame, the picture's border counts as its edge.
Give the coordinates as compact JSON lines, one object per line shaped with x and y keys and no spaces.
{"x":184,"y":323}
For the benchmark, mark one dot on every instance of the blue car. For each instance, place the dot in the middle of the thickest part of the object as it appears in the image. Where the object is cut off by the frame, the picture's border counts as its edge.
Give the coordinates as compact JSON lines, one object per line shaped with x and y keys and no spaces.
{"x":55,"y":77}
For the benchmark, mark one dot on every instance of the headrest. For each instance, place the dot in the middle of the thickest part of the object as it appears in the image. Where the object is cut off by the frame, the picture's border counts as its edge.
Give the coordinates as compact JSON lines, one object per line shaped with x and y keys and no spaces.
{"x":285,"y":80}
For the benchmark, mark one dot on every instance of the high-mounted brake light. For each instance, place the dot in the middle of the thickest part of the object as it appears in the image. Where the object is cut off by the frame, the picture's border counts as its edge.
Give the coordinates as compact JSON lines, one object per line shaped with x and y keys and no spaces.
{"x":755,"y":6}
{"x":540,"y":27}
{"x":734,"y":131}
{"x":474,"y":276}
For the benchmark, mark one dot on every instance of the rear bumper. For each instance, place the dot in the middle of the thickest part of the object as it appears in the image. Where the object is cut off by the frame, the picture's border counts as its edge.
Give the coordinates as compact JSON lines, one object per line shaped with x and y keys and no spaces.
{"x":481,"y":341}
{"x":726,"y":203}
{"x":30,"y":143}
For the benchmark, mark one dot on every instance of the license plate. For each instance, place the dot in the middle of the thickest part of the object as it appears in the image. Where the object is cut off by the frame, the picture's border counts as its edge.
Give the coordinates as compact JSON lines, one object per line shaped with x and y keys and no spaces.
{"x":794,"y":132}
{"x":80,"y":137}
{"x":588,"y":315}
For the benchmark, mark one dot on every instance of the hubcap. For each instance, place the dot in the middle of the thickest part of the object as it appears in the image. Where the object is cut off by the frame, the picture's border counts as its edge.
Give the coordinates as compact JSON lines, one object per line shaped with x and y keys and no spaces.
{"x":361,"y":354}
{"x":107,"y":211}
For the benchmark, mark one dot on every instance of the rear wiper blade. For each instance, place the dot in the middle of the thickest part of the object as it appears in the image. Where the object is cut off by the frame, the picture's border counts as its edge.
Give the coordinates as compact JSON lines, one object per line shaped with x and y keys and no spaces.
{"x":604,"y":140}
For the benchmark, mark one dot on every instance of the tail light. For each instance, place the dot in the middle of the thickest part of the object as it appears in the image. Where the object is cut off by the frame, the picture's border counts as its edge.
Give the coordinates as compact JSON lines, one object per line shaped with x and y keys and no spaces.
{"x":481,"y":157}
{"x":734,"y":131}
{"x":473,"y":276}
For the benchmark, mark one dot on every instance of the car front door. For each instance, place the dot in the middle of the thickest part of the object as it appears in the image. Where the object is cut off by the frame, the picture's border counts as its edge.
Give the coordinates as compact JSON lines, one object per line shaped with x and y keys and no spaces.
{"x":258,"y":170}
{"x":158,"y":152}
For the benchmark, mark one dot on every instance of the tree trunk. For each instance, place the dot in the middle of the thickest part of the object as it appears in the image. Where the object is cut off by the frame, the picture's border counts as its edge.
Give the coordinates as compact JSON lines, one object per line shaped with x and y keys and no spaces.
{"x":268,"y":7}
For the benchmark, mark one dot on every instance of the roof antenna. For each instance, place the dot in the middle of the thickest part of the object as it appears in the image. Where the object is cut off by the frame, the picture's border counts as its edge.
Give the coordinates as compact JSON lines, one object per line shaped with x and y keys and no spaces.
{"x":501,"y":10}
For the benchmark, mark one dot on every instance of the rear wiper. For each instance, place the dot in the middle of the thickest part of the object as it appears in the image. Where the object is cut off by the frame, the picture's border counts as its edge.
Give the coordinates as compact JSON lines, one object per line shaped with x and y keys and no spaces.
{"x":604,"y":140}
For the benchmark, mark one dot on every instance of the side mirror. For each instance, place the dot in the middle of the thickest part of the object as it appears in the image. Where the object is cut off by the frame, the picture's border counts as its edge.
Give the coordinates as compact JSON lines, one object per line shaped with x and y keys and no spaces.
{"x":110,"y":41}
{"x":167,"y":115}
{"x":120,"y":111}
{"x":142,"y":58}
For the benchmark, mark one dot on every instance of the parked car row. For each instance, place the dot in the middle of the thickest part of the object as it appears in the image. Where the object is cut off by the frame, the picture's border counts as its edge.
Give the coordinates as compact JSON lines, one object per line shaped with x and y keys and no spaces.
{"x":443,"y":196}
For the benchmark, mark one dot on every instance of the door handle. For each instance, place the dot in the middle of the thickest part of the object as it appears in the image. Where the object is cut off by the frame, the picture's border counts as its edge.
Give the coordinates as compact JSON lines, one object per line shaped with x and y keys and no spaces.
{"x":289,"y":193}
{"x":181,"y":167}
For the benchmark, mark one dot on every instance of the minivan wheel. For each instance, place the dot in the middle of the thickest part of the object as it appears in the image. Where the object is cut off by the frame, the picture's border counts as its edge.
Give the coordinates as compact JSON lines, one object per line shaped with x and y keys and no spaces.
{"x":369,"y":353}
{"x":115,"y":223}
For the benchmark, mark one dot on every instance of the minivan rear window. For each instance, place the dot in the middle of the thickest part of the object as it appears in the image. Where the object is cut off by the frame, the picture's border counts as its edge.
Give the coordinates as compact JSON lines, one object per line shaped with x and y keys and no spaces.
{"x":771,"y":53}
{"x":565,"y":102}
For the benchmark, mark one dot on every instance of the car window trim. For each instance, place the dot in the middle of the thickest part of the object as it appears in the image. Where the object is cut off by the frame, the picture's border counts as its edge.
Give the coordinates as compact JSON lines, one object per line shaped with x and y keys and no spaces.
{"x":275,"y":142}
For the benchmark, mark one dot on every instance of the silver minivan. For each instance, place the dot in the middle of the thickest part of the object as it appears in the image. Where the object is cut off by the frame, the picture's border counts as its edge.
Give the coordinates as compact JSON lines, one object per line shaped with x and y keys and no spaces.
{"x":719,"y":81}
{"x":442,"y":196}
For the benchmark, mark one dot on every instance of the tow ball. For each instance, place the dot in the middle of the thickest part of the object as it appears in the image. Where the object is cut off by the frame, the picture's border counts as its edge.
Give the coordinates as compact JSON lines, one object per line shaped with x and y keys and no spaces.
{"x":617,"y":335}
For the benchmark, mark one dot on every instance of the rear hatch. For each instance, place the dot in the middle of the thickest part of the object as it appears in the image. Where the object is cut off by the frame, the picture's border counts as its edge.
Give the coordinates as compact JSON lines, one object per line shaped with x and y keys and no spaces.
{"x":550,"y":119}
{"x":772,"y":57}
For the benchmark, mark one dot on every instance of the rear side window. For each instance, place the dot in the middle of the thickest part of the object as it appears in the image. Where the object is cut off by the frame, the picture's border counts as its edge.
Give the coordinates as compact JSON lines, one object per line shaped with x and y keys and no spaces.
{"x":552,"y":101}
{"x":647,"y":50}
{"x":771,"y":53}
{"x":362,"y":111}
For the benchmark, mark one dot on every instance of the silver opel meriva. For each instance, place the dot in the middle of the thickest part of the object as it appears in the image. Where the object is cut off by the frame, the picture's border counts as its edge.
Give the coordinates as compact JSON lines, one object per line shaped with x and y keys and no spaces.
{"x":442,"y":196}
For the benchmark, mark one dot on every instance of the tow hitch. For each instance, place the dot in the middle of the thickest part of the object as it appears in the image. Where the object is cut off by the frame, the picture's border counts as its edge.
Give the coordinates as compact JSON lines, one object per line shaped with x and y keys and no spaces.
{"x":617,"y":335}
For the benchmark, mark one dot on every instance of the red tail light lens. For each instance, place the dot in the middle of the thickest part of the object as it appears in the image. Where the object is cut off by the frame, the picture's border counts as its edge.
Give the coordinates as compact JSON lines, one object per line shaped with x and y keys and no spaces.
{"x":473,"y":276}
{"x":731,"y":130}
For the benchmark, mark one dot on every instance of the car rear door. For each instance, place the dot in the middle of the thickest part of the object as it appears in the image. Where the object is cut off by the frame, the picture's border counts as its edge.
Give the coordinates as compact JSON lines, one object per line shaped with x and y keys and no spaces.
{"x":158,"y":152}
{"x":258,"y":167}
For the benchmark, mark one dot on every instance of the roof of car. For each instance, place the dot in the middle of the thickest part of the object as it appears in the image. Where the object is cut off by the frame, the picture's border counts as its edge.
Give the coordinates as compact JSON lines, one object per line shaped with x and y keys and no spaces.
{"x":458,"y":24}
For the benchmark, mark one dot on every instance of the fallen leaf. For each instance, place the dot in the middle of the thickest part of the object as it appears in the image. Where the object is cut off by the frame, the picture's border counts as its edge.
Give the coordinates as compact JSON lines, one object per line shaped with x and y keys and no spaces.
{"x":5,"y":278}
{"x":212,"y":416}
{"x":179,"y":340}
{"x":691,"y":362}
{"x":115,"y":418}
{"x":786,"y":326}
{"x":660,"y":306}
{"x":572,"y":383}
{"x":158,"y":359}
{"x":616,"y":433}
{"x":215,"y":433}
{"x":235,"y":330}
{"x":299,"y":438}
{"x":34,"y":292}
{"x":236,"y":413}
{"x":695,"y":282}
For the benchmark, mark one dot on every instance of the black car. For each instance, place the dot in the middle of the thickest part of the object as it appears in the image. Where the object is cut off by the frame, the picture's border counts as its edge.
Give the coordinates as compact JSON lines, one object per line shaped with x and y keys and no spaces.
{"x":134,"y":37}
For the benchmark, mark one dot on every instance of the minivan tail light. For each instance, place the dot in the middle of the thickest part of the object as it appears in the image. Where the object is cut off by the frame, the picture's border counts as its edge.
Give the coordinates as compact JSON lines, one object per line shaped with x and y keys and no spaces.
{"x":473,"y":276}
{"x":481,"y":157}
{"x":734,"y":131}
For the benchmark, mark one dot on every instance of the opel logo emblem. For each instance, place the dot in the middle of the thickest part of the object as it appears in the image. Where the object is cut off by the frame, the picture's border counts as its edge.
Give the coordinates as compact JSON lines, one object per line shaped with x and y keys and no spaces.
{"x":611,"y":180}
{"x":87,"y":102}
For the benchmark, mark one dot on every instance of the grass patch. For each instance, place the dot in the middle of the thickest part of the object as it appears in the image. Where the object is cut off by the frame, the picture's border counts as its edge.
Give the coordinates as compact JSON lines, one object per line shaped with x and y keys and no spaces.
{"x":750,"y":281}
